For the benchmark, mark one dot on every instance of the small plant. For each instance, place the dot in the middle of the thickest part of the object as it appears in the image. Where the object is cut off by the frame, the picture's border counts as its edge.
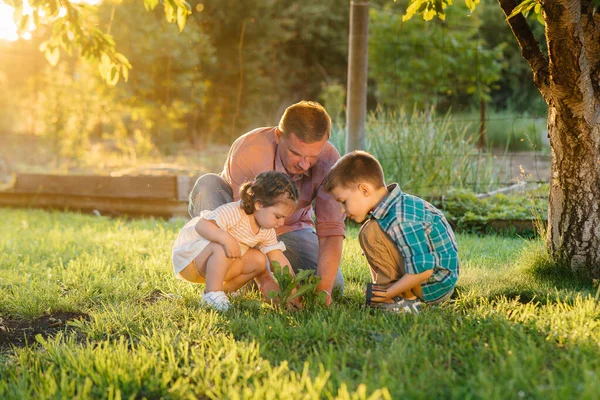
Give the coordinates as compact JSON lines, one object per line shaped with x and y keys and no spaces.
{"x":292,"y":287}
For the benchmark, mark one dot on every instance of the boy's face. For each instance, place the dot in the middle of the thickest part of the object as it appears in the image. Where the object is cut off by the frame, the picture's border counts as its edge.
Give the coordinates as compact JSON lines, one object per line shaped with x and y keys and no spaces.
{"x":356,"y":201}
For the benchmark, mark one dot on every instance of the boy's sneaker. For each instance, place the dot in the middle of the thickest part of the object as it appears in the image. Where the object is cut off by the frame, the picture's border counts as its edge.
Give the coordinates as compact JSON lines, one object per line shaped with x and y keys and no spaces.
{"x":217,"y":300}
{"x":408,"y":306}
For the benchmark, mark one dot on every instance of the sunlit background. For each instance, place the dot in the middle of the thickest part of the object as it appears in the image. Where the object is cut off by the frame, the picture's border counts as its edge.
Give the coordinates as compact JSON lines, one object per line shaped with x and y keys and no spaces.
{"x":8,"y":30}
{"x":238,"y":67}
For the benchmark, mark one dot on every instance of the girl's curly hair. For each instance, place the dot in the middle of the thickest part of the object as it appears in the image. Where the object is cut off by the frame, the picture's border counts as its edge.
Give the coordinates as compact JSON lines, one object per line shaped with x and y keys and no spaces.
{"x":267,"y":188}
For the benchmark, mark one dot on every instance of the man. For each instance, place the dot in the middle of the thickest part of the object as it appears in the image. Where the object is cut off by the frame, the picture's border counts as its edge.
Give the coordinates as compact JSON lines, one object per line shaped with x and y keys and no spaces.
{"x":300,"y":148}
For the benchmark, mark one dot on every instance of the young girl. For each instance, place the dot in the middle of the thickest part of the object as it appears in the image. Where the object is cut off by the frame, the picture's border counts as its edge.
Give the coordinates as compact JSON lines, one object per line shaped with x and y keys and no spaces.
{"x":218,"y":247}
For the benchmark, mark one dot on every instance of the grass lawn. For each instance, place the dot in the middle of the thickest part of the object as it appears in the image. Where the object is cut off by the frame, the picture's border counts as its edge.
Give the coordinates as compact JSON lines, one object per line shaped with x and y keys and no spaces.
{"x":89,"y":309}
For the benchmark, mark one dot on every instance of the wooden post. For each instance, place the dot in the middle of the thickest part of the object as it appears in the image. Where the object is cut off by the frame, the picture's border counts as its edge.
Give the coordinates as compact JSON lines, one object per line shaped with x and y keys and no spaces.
{"x":358,"y":54}
{"x":481,"y":143}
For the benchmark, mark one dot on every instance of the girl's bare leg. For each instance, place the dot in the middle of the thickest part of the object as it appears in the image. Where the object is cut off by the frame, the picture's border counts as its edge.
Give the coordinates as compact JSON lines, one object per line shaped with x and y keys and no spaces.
{"x":243,"y":270}
{"x":217,"y":267}
{"x":226,"y":273}
{"x":195,"y":272}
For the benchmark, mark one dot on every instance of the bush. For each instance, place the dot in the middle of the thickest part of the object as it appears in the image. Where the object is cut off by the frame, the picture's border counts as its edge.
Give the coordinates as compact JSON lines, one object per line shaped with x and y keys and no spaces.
{"x":471,"y":214}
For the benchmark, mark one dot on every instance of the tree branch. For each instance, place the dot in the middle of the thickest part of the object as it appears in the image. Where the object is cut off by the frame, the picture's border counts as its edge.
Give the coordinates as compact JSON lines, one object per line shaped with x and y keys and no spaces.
{"x":530,"y":48}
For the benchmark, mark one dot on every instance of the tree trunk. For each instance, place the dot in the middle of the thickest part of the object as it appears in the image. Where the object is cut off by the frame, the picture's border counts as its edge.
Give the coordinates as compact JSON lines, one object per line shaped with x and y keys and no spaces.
{"x":573,"y":235}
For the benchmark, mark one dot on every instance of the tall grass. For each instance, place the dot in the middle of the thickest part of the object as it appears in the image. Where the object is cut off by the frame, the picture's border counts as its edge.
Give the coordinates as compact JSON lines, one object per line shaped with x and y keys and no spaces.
{"x":424,"y":153}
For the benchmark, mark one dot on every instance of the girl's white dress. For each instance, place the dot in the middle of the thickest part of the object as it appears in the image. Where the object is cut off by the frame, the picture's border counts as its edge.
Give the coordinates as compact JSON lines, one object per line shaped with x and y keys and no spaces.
{"x":231,"y":218}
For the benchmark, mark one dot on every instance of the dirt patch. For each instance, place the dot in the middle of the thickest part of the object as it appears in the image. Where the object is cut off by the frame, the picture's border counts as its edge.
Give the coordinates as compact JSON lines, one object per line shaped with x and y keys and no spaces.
{"x":20,"y":332}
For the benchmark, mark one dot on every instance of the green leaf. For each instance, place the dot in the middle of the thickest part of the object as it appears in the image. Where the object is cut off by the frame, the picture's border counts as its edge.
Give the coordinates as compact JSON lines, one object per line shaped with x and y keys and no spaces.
{"x":522,"y":8}
{"x":125,"y":72}
{"x":413,"y":8}
{"x":303,"y":274}
{"x":113,"y":77}
{"x":471,"y":4}
{"x":301,"y":290}
{"x":52,"y":54}
{"x":150,"y":4}
{"x":181,"y":18}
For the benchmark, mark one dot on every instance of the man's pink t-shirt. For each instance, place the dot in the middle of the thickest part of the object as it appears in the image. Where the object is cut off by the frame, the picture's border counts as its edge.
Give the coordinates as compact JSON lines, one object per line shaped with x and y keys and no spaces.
{"x":257,"y":151}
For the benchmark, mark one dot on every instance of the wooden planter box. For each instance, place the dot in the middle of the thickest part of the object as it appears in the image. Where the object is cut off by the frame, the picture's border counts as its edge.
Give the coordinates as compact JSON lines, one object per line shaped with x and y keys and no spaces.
{"x":163,"y":196}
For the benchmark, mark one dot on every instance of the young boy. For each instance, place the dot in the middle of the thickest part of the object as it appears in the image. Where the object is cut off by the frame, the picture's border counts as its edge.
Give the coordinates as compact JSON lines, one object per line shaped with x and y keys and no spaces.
{"x":408,"y":243}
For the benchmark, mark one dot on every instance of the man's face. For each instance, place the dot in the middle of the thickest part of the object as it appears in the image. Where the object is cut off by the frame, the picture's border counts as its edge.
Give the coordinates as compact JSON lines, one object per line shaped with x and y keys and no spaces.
{"x":355,"y":202}
{"x":297,"y":156}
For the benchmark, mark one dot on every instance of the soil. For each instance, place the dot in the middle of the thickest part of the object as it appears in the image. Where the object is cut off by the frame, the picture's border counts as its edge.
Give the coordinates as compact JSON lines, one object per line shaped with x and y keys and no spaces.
{"x":19,"y":333}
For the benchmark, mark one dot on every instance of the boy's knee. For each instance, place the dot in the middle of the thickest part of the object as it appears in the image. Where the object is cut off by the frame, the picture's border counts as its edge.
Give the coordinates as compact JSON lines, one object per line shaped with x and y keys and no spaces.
{"x":369,"y":232}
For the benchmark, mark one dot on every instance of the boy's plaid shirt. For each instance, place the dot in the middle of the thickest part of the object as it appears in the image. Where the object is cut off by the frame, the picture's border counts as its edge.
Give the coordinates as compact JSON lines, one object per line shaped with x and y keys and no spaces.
{"x":424,"y":238}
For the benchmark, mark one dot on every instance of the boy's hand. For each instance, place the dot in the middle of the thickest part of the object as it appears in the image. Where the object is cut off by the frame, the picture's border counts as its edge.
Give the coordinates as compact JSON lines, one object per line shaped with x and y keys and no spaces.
{"x":232,"y":247}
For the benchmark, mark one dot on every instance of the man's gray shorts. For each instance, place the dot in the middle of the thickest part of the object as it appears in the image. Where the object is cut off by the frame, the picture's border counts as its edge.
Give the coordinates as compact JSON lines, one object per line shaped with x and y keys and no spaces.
{"x":302,"y":246}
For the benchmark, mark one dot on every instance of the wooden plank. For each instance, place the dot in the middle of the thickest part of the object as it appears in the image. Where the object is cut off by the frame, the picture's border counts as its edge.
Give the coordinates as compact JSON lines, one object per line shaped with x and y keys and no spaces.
{"x":105,"y":206}
{"x":139,"y":187}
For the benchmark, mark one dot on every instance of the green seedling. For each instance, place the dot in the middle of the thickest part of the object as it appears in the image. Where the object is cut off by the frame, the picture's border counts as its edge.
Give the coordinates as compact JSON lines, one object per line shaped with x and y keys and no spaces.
{"x":291,"y":287}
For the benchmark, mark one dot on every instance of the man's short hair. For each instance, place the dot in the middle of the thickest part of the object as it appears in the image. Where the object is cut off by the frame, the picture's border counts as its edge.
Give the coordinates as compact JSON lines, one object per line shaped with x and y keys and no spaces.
{"x":355,"y":168}
{"x":308,"y":120}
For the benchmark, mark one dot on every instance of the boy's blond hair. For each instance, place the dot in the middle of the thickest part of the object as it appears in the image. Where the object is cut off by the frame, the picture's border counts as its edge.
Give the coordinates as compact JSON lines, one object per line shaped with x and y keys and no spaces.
{"x":352,"y":169}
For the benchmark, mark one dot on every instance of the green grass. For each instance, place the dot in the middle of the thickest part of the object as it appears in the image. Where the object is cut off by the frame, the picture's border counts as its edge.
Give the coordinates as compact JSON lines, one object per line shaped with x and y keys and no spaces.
{"x":517,"y":328}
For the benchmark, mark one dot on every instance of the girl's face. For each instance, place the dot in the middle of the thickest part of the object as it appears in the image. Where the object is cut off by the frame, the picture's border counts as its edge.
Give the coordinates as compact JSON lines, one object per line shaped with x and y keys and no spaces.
{"x":273,"y":216}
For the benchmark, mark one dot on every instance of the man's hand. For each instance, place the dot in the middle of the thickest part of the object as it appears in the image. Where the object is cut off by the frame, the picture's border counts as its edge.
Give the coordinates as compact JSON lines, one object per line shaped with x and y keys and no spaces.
{"x":328,"y":298}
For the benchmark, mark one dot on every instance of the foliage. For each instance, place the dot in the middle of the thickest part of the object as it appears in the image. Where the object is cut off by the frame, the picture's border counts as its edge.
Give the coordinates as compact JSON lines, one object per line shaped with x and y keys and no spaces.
{"x":333,"y":98}
{"x":424,"y":153}
{"x":166,"y":96}
{"x":415,"y":62}
{"x":74,"y":28}
{"x":63,"y":112}
{"x":515,"y":90}
{"x":472,"y":214}
{"x":514,"y":325}
{"x":269,"y":54}
{"x":303,"y":285}
{"x":214,"y":80}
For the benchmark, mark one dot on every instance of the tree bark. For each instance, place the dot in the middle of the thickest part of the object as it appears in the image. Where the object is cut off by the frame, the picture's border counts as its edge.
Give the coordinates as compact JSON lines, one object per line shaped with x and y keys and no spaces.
{"x":573,"y":235}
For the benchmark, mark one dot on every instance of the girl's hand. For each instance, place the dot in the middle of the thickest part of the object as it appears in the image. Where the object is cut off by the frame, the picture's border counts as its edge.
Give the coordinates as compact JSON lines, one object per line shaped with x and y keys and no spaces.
{"x":232,"y":247}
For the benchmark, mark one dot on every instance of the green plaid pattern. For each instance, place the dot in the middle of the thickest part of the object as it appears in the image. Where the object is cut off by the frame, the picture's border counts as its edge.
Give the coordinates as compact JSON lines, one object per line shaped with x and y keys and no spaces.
{"x":424,"y":238}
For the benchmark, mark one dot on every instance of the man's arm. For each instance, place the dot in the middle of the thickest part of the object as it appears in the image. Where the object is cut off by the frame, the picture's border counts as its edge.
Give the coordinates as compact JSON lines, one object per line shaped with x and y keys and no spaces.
{"x":328,"y":262}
